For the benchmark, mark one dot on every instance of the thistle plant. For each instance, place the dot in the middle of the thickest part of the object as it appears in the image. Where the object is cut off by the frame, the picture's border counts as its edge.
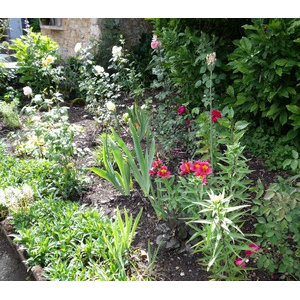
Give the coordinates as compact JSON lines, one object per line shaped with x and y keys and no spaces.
{"x":220,"y":236}
{"x":210,"y":61}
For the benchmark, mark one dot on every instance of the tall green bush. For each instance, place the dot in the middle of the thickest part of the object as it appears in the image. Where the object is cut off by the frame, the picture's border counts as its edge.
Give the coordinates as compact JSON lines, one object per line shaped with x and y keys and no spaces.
{"x":266,"y":72}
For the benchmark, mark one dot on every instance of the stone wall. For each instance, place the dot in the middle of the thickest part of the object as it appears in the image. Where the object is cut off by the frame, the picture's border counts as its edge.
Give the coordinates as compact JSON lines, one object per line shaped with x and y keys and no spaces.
{"x":71,"y":32}
{"x":82,"y":30}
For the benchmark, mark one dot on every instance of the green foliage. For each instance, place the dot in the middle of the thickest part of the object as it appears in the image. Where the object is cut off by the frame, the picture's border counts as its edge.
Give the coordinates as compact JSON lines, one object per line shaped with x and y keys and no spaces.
{"x":46,"y":178}
{"x":221,"y":237}
{"x":35,"y":55}
{"x":278,"y":226}
{"x":112,"y":154}
{"x":10,"y":114}
{"x":266,"y":72}
{"x":95,"y":249}
{"x":139,"y":116}
{"x":276,"y":150}
{"x":140,"y":170}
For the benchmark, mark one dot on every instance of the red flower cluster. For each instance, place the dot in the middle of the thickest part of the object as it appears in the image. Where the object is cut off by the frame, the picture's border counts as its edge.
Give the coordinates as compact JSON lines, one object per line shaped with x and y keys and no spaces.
{"x":215,"y":115}
{"x":159,"y":170}
{"x":240,"y":262}
{"x":200,"y":169}
{"x":181,"y":109}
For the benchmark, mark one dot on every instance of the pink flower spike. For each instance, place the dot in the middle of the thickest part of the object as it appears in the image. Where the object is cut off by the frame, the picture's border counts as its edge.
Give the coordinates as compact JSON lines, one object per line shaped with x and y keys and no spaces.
{"x":239,"y":262}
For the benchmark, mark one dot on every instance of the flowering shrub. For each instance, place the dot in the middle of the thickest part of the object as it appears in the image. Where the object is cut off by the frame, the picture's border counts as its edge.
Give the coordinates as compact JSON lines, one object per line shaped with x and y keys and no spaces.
{"x":36,"y":55}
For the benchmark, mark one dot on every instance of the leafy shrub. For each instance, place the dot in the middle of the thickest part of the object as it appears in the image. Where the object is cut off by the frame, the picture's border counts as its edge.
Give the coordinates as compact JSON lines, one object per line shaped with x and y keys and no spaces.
{"x":36,"y":55}
{"x":277,"y":151}
{"x":10,"y":115}
{"x":278,"y":227}
{"x":266,"y":72}
{"x":95,"y":249}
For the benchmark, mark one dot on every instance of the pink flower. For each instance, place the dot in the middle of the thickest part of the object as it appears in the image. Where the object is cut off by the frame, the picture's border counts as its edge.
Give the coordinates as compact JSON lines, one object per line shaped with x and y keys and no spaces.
{"x":156,"y":164}
{"x":185,"y":168}
{"x":155,"y":43}
{"x":215,"y":115}
{"x":152,"y":172}
{"x":163,"y":172}
{"x":254,"y":247}
{"x":201,"y":168}
{"x":240,"y":262}
{"x":181,"y":109}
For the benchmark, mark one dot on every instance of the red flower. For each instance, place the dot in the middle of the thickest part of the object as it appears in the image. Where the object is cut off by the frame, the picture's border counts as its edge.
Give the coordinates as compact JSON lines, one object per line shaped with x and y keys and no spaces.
{"x":163,"y":172}
{"x":254,"y":247}
{"x":204,"y":180}
{"x":181,"y":110}
{"x":215,"y":115}
{"x":185,"y":168}
{"x":156,"y":164}
{"x":152,"y":172}
{"x":188,"y":123}
{"x":240,"y":262}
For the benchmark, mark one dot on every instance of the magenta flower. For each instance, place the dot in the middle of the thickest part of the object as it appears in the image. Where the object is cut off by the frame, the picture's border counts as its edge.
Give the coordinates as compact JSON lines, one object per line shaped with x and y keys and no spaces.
{"x":254,"y":248}
{"x":181,"y":109}
{"x":152,"y":172}
{"x":163,"y":172}
{"x":239,"y":262}
{"x":185,"y":168}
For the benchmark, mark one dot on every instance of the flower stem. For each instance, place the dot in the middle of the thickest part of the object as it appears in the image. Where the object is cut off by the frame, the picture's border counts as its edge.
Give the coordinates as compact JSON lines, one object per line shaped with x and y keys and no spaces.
{"x":211,"y":126}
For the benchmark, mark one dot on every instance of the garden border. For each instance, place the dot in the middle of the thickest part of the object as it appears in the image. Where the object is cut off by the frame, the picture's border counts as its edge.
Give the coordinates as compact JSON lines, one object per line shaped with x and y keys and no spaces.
{"x":32,"y":273}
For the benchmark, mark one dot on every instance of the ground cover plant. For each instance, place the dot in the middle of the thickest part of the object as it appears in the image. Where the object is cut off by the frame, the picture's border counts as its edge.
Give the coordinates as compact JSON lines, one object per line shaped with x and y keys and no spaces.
{"x":155,"y":178}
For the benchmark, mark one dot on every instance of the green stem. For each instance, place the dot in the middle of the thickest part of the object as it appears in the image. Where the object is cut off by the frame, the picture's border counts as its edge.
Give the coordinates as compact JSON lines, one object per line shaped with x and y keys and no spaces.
{"x":211,"y":127}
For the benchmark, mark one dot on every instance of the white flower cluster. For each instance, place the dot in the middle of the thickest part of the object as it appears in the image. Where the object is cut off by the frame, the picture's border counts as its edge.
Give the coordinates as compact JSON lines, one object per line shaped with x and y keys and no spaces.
{"x":13,"y":197}
{"x":116,"y":52}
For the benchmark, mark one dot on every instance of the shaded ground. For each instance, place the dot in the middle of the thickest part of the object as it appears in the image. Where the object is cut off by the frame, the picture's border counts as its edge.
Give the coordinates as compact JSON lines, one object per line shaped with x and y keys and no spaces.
{"x":11,"y":269}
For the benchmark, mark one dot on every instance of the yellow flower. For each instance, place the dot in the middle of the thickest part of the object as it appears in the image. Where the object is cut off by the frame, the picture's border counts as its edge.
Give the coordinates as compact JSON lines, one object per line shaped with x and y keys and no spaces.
{"x":44,"y":62}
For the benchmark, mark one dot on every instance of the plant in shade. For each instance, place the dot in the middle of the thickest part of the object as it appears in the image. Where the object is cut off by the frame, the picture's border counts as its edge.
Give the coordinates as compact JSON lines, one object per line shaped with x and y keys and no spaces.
{"x":277,"y":225}
{"x":221,"y":238}
{"x":112,"y":154}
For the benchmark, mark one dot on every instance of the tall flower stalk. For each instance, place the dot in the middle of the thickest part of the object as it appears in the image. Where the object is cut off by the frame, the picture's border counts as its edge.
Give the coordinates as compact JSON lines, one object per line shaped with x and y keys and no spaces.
{"x":210,"y":61}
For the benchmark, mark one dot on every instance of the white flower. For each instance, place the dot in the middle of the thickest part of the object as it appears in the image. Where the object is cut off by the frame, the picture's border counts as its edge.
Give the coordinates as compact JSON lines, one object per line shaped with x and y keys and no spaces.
{"x":44,"y":62}
{"x":116,"y":52}
{"x":144,"y":106}
{"x":110,"y":106}
{"x":50,"y":59}
{"x":78,"y":46}
{"x":99,"y":69}
{"x":27,"y":91}
{"x":27,"y":191}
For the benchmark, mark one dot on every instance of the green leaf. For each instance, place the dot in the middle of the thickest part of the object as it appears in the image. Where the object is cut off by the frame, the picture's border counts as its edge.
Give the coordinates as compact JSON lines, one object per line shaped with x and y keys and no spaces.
{"x":294,"y":164}
{"x":270,"y":233}
{"x":278,"y":71}
{"x":198,"y":83}
{"x":241,"y":99}
{"x":230,"y":91}
{"x":261,"y":220}
{"x":240,"y":125}
{"x":294,"y":109}
{"x":246,"y":44}
{"x":295,"y":154}
{"x":254,"y":209}
{"x":283,"y":118}
{"x":286,"y":163}
{"x":269,"y":194}
{"x":280,"y":62}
